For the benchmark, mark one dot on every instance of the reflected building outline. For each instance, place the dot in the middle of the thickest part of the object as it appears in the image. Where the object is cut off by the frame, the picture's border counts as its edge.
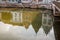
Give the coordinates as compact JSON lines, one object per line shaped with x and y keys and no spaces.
{"x":47,"y":21}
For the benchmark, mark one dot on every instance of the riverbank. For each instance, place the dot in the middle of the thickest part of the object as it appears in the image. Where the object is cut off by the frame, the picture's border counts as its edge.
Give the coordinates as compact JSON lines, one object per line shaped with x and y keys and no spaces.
{"x":48,"y":6}
{"x":18,"y":8}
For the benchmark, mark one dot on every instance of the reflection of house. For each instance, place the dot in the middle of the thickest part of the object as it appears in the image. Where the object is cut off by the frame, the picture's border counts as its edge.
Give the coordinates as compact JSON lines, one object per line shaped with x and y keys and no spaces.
{"x":37,"y":22}
{"x":46,"y":19}
{"x":15,"y":17}
{"x":18,"y":17}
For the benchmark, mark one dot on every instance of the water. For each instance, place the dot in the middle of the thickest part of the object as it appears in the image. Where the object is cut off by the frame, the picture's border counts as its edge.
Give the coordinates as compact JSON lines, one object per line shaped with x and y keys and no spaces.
{"x":30,"y":24}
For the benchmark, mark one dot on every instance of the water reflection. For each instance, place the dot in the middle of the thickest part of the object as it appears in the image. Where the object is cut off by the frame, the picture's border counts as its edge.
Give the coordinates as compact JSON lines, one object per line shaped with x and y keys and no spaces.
{"x":47,"y":21}
{"x":32,"y":25}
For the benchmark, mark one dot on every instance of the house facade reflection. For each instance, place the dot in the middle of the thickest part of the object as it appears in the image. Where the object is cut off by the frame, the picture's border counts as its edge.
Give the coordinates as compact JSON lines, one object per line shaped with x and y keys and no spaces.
{"x":24,"y":18}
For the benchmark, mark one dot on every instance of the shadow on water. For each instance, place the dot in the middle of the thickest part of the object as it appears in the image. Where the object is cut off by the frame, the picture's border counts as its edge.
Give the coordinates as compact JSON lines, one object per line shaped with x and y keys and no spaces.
{"x":57,"y":29}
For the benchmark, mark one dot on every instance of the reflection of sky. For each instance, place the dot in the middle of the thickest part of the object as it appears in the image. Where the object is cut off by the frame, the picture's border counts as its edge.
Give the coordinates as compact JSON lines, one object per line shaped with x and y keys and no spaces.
{"x":9,"y":32}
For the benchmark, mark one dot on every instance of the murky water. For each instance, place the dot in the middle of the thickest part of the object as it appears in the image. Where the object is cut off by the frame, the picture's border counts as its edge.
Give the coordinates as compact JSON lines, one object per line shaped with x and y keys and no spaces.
{"x":26,"y":24}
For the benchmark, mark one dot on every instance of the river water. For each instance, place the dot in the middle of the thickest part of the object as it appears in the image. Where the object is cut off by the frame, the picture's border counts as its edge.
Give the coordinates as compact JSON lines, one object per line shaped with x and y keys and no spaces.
{"x":40,"y":25}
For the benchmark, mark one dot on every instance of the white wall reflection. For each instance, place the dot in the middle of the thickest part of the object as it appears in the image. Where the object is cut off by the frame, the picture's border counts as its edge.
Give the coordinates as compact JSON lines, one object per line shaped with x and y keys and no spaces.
{"x":9,"y":32}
